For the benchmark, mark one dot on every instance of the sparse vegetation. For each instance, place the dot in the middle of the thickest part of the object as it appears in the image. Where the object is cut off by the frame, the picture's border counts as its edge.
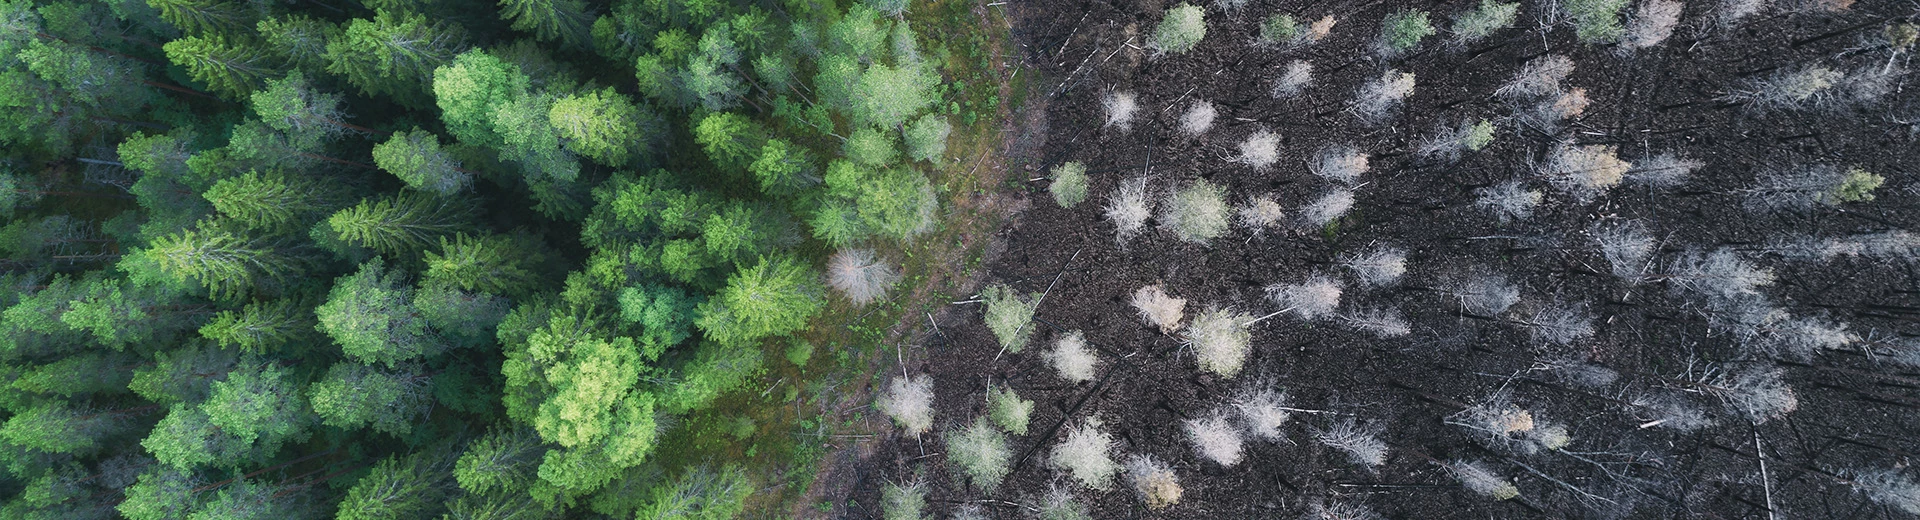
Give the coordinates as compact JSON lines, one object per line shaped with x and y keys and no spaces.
{"x":1128,"y":208}
{"x":1120,"y":107}
{"x":1261,"y":150}
{"x":1584,"y":171}
{"x":1215,"y":438}
{"x":903,"y":502}
{"x":860,"y":275}
{"x":1197,"y":119}
{"x":1339,"y":163}
{"x":1328,"y":208}
{"x":1449,"y":144}
{"x":1008,"y":410}
{"x":1509,"y":201}
{"x":1261,"y":213}
{"x":1652,"y":23}
{"x":1069,"y":185}
{"x":1477,"y":478}
{"x":1059,"y":504}
{"x":1377,"y":267}
{"x":1296,"y":78}
{"x":1315,"y":298}
{"x":1280,"y":29}
{"x":1262,"y":411}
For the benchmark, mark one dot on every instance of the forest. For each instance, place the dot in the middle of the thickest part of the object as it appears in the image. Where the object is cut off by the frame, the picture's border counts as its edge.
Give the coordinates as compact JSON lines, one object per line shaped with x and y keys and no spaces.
{"x":461,"y":259}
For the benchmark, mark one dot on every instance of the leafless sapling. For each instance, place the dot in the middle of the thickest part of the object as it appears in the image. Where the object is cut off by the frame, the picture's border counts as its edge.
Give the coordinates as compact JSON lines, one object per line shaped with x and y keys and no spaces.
{"x":909,"y":401}
{"x":1377,"y":99}
{"x":1584,"y":171}
{"x":1215,"y":438}
{"x":1328,"y":208}
{"x":1559,"y":324}
{"x":860,"y":275}
{"x":1626,"y":246}
{"x":1449,"y":143}
{"x":1072,"y":359}
{"x":1758,"y":394}
{"x":1339,"y":163}
{"x":1484,"y":294}
{"x":1384,"y":322}
{"x":1156,"y":483}
{"x":1261,"y":213}
{"x":1805,"y":186}
{"x":1296,"y":78}
{"x":1377,"y":267}
{"x":1478,"y":478}
{"x":1652,"y":23}
{"x":1337,"y":510}
{"x":1891,"y":488}
{"x":1361,"y":444}
{"x":1263,"y":410}
{"x":1059,"y":504}
{"x":1315,"y":298}
{"x":1787,"y":89}
{"x":1159,"y":309}
{"x":1509,"y":201}
{"x":1670,"y":410}
{"x":1084,"y":455}
{"x":1198,"y":118}
{"x":1663,"y":171}
{"x":1129,"y":208}
{"x":1718,"y":275}
{"x":903,"y":501}
{"x":1261,"y":150}
{"x":1539,"y":78}
{"x":1120,"y":107}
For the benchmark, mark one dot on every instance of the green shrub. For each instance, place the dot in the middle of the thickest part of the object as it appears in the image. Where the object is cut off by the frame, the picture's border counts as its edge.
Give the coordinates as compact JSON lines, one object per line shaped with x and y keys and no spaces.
{"x":1180,"y":30}
{"x":981,"y":452}
{"x":1857,"y":186}
{"x":1279,"y":28}
{"x":1596,"y":21}
{"x":1008,"y":410}
{"x":1480,"y":22}
{"x":1008,"y":315}
{"x":1403,"y":30}
{"x":899,"y":502}
{"x":1069,"y":184}
{"x":1198,"y":212}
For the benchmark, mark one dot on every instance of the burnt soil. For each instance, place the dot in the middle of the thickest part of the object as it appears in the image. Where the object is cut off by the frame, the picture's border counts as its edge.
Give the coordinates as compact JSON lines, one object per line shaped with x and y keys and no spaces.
{"x":1856,"y":412}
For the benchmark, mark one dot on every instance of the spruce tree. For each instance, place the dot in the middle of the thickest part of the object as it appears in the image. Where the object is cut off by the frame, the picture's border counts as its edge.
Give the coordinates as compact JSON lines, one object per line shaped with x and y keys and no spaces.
{"x":372,"y":317}
{"x":394,"y":54}
{"x":399,"y":224}
{"x":416,"y":157}
{"x":231,"y":69}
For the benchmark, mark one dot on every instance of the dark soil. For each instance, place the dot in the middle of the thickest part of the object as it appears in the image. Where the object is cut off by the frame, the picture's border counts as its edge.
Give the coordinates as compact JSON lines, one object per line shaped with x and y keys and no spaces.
{"x":1857,"y":412}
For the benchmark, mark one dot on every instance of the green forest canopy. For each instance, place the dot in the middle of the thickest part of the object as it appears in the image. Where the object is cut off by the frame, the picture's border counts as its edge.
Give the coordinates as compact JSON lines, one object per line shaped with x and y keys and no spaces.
{"x":407,"y":259}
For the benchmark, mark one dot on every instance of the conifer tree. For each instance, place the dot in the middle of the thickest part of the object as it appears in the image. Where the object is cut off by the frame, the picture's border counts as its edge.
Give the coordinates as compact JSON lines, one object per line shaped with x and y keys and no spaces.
{"x":416,"y":157}
{"x":299,"y":40}
{"x":412,"y":486}
{"x":394,"y":54}
{"x":371,"y":315}
{"x":271,"y":202}
{"x":469,"y":89}
{"x":500,"y":264}
{"x":229,"y":68}
{"x":602,"y":125}
{"x":565,"y":20}
{"x":399,"y":224}
{"x":225,"y":263}
{"x":775,"y":296}
{"x":202,"y":16}
{"x":261,"y":326}
{"x":354,"y":396}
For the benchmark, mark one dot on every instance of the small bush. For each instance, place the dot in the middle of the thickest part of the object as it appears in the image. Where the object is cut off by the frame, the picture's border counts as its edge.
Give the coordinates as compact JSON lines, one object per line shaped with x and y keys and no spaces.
{"x":1128,"y":209}
{"x":1652,"y":24}
{"x":1261,"y":150}
{"x":1069,"y":186}
{"x":1328,"y":208}
{"x":1788,"y":89}
{"x":860,"y":275}
{"x":1856,"y":186}
{"x":1478,"y":23}
{"x":1008,"y":410}
{"x":1315,"y":298}
{"x":1584,"y":171}
{"x":1508,"y":201}
{"x":1720,"y":275}
{"x":1198,"y":119}
{"x":1196,"y":213}
{"x":1378,"y":98}
{"x":1402,"y":31}
{"x":909,"y":401}
{"x":1008,"y":316}
{"x":1477,"y":478}
{"x":1485,"y":294}
{"x":981,"y":452}
{"x":1449,"y":144}
{"x":1385,"y":323}
{"x":1059,"y":504}
{"x":1595,"y":21}
{"x":1362,"y":445}
{"x":1084,"y":455}
{"x":1215,"y":438}
{"x":1159,"y":309}
{"x":1377,"y":267}
{"x":1890,"y":488}
{"x":1220,"y":339}
{"x":1662,"y":171}
{"x":1180,"y":30}
{"x":899,"y":502}
{"x":1072,"y":359}
{"x":1297,"y":77}
{"x":1539,"y":78}
{"x":1626,"y":246}
{"x":1261,"y":212}
{"x":1154,"y":481}
{"x":1263,"y":411}
{"x":1339,"y":163}
{"x":1279,"y":29}
{"x":1120,"y":107}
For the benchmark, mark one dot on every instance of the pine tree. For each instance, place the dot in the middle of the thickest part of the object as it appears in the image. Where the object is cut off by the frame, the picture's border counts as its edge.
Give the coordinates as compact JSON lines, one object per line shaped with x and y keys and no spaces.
{"x":225,"y":263}
{"x":394,"y":54}
{"x":565,"y":20}
{"x":399,"y":224}
{"x":232,"y":69}
{"x":119,"y":314}
{"x":416,"y":157}
{"x":271,"y":202}
{"x":354,"y":396}
{"x":490,"y":263}
{"x":371,"y":315}
{"x":775,"y":296}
